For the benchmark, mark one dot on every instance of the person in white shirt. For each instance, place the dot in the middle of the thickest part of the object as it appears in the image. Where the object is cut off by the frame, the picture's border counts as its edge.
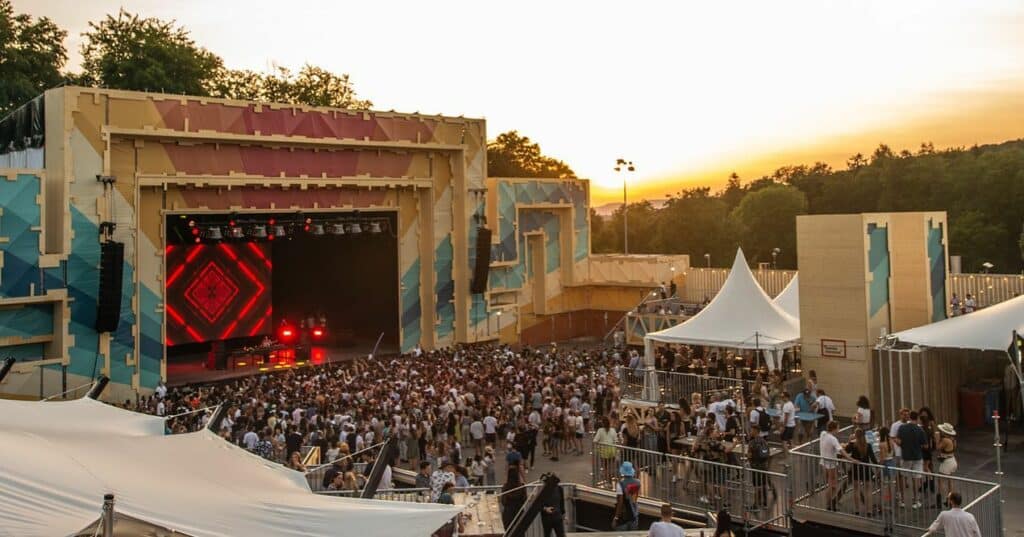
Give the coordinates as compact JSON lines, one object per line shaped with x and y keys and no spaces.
{"x":788,"y":420}
{"x":665,"y":527}
{"x":824,"y":405}
{"x":250,"y":439}
{"x":956,"y":522}
{"x":862,"y":418}
{"x":491,"y":430}
{"x":831,"y":451}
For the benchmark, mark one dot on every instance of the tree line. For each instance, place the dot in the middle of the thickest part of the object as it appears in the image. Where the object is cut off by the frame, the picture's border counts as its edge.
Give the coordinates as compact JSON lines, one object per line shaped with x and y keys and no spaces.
{"x":126,"y":51}
{"x":981,"y":188}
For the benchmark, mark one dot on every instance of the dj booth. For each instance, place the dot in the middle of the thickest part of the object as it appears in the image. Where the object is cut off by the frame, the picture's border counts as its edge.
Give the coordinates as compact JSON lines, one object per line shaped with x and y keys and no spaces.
{"x":256,"y":356}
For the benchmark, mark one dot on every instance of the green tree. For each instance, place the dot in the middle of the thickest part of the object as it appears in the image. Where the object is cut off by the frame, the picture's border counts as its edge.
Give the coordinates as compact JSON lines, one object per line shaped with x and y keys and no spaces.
{"x":695,"y":222}
{"x":312,"y":86}
{"x":768,"y":220}
{"x":972,"y":232}
{"x":31,"y":56}
{"x":513,"y":155}
{"x":148,"y":54}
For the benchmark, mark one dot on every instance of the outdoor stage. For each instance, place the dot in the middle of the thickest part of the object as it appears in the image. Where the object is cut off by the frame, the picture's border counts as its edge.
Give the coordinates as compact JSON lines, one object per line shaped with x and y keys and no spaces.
{"x":192,"y":368}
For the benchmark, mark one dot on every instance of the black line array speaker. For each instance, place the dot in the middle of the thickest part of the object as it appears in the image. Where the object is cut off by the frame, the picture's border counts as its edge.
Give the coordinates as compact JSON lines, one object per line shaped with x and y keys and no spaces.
{"x":108,"y":303}
{"x":483,"y":261}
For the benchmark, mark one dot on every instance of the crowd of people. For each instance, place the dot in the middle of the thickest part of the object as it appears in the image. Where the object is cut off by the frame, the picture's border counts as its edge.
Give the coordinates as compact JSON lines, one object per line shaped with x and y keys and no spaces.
{"x":453,"y":411}
{"x":452,"y":407}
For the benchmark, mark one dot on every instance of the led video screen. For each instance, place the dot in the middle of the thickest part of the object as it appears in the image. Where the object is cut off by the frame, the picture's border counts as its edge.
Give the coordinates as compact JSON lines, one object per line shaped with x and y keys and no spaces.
{"x":218,"y":291}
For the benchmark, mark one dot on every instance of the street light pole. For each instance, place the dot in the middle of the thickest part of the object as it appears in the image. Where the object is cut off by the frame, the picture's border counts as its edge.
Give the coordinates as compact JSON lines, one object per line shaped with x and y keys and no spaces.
{"x":624,"y":165}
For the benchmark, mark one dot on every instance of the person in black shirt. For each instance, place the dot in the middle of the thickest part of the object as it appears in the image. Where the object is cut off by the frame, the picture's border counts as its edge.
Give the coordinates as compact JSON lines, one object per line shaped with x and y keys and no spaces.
{"x":912,"y":441}
{"x":513,"y":496}
{"x":552,"y":511}
{"x":293,"y":441}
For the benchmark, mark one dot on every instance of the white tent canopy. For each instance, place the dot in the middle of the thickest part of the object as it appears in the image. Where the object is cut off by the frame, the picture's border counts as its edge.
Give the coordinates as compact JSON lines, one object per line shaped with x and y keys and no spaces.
{"x":59,"y":459}
{"x":789,"y":299}
{"x":741,"y":316}
{"x":987,"y":329}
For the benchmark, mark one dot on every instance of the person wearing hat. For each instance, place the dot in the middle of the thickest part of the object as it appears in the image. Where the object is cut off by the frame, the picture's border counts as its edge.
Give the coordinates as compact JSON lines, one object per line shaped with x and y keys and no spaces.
{"x":627,"y":493}
{"x":946,"y":446}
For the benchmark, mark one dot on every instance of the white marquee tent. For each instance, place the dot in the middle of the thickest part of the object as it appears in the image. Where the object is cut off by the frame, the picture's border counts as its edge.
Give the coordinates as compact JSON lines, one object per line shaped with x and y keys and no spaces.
{"x":987,"y":329}
{"x":60,"y":458}
{"x":741,"y":316}
{"x":789,"y":299}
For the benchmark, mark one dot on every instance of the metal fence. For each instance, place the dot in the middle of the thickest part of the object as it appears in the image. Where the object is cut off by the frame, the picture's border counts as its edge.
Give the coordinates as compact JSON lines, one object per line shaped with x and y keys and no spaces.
{"x":882,"y":499}
{"x":758,"y":498}
{"x":669,"y":387}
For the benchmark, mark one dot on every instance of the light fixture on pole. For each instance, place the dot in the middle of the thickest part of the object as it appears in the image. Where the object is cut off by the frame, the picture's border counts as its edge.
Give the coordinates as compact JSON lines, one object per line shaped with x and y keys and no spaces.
{"x":987,"y":266}
{"x":707,"y":257}
{"x":627,"y":166}
{"x":775,"y":256}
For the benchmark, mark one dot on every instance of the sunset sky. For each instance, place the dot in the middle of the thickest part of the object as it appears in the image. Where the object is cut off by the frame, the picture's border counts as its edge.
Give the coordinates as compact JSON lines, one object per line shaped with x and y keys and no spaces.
{"x":689,"y":91}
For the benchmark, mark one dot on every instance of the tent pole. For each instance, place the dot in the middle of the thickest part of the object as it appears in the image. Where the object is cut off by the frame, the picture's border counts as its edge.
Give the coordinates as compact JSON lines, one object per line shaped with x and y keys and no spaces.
{"x":924,"y":376}
{"x":892,"y":384}
{"x":881,"y":386}
{"x":899,"y":354}
{"x":6,"y":368}
{"x":107,"y":518}
{"x":910,"y":374}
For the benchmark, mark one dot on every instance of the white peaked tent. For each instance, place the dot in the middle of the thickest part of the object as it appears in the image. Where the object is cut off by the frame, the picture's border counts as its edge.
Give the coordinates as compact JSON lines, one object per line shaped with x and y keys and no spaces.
{"x":60,"y":458}
{"x":741,"y":316}
{"x":789,"y":299}
{"x":987,"y":329}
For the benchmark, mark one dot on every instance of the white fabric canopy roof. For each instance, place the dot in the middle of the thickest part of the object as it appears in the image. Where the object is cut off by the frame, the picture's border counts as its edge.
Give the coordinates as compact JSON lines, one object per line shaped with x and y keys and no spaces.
{"x":789,"y":299}
{"x":987,"y":329}
{"x":740,"y":316}
{"x":59,"y":459}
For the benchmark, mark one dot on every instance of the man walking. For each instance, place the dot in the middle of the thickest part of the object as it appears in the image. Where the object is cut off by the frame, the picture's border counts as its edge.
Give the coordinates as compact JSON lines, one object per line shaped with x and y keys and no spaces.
{"x":956,"y":522}
{"x":911,"y":439}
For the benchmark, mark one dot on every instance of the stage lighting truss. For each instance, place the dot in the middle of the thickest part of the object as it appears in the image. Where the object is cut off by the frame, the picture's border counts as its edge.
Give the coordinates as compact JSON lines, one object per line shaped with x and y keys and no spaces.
{"x":287,"y":226}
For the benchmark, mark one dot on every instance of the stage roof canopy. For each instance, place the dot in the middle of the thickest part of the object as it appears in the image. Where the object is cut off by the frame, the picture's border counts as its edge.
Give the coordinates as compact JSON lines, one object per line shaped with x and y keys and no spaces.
{"x":740,"y":316}
{"x":988,"y":329}
{"x":60,"y":458}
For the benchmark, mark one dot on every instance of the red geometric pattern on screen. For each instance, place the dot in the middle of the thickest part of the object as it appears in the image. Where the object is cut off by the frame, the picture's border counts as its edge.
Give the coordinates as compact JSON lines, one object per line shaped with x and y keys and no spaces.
{"x":211,"y":292}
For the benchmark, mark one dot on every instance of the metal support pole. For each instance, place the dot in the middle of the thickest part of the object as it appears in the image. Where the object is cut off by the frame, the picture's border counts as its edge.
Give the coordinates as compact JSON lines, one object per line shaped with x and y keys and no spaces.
{"x":97,"y":389}
{"x":999,"y":448}
{"x":910,"y":373}
{"x":107,"y":518}
{"x":6,"y":368}
{"x":900,"y":355}
{"x":625,"y":219}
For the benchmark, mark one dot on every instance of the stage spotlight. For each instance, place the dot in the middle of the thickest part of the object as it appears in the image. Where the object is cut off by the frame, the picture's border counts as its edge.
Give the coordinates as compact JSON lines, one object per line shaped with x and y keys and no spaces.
{"x":356,"y":229}
{"x":318,"y":229}
{"x":191,"y":223}
{"x":279,"y":231}
{"x":337,"y":229}
{"x":213,"y":233}
{"x":317,"y":332}
{"x":198,"y":240}
{"x":374,"y":227}
{"x":259,"y":232}
{"x":236,"y":232}
{"x":271,"y":222}
{"x":195,"y":232}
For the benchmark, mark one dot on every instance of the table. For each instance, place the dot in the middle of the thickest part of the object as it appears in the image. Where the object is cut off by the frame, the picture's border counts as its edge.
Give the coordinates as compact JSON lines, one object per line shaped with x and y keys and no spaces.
{"x":484,"y":512}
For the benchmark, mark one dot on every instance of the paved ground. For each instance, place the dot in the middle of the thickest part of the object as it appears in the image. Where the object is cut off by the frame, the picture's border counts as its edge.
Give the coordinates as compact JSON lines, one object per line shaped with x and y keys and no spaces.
{"x":976,"y":456}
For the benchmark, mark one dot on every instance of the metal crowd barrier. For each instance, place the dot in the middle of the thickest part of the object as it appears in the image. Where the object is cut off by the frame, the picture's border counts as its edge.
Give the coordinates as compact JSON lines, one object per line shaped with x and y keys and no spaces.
{"x":883,"y":500}
{"x":758,"y":498}
{"x":669,"y":387}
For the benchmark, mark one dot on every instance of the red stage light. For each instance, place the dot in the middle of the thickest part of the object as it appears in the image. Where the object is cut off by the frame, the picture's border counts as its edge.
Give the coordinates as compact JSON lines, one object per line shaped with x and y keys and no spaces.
{"x":231,"y":223}
{"x":305,"y":227}
{"x":198,"y":240}
{"x":271,"y":222}
{"x":317,"y":332}
{"x":270,"y":237}
{"x":286,"y":332}
{"x":195,"y":231}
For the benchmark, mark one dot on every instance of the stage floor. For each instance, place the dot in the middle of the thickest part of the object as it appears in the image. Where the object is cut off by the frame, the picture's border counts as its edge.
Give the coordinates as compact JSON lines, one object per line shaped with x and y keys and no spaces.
{"x":191,"y":369}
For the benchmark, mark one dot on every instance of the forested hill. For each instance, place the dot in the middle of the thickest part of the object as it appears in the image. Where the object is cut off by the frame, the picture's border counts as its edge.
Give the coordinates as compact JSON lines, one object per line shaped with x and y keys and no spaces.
{"x":981,"y":188}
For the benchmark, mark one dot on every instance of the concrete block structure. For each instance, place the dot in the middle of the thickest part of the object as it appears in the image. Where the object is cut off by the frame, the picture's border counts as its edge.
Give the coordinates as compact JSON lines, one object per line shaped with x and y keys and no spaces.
{"x":137,"y":160}
{"x":863,"y":276}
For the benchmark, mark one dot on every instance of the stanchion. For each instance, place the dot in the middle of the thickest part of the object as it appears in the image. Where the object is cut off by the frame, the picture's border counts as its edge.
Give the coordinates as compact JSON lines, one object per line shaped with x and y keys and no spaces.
{"x":999,"y":456}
